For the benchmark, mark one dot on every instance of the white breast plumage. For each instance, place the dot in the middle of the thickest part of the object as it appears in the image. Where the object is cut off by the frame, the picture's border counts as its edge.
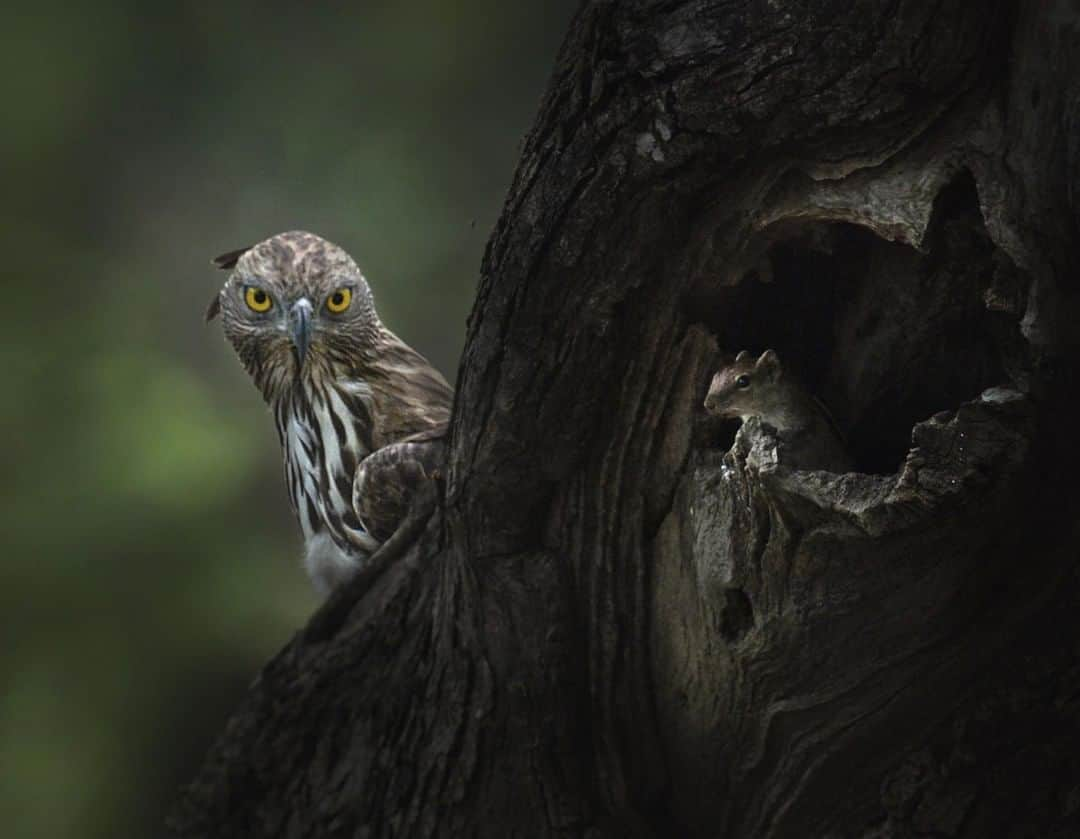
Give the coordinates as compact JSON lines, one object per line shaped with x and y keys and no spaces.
{"x":322,"y":448}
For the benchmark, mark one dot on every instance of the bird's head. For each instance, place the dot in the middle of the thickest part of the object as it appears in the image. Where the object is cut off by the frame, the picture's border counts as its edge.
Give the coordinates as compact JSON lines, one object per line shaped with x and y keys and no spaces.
{"x":294,"y":306}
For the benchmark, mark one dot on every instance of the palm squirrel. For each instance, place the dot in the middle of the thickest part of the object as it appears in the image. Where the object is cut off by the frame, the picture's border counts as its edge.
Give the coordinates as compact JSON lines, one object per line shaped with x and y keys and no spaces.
{"x":749,"y":387}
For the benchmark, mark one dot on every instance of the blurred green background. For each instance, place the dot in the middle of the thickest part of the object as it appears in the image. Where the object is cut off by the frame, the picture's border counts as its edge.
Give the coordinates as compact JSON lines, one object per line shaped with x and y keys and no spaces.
{"x":150,"y":563}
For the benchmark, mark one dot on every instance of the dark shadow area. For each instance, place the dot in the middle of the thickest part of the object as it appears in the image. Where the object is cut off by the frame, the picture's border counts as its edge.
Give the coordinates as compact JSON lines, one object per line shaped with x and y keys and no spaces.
{"x":738,"y":615}
{"x":884,"y":334}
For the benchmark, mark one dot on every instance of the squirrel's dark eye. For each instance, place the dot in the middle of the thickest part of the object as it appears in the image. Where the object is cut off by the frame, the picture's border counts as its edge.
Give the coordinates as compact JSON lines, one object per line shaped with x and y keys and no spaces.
{"x":743,"y":381}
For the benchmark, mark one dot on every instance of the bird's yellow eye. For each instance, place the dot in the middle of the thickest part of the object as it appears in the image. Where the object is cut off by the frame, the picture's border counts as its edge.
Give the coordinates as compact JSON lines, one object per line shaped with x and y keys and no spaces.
{"x":339,"y":301}
{"x":257,"y":299}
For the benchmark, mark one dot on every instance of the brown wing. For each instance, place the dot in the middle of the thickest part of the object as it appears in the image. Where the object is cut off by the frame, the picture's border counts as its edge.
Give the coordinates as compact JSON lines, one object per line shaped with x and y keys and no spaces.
{"x":395,"y":480}
{"x":410,"y":398}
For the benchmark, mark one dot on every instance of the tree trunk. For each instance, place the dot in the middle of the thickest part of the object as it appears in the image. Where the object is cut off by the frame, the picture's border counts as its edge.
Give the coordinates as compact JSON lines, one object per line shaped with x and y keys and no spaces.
{"x":624,"y":620}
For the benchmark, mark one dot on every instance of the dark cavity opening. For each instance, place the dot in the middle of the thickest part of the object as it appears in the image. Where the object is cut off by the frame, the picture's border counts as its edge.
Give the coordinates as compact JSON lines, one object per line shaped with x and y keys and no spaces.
{"x":738,"y":615}
{"x":885,"y":335}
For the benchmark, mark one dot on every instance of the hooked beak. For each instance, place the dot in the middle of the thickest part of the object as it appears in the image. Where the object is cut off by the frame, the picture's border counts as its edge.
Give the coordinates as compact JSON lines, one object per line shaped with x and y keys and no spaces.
{"x":300,"y":328}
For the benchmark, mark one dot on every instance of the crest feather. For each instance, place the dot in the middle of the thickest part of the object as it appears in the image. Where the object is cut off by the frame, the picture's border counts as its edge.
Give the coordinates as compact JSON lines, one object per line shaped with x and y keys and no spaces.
{"x":227,"y":261}
{"x":214,"y":308}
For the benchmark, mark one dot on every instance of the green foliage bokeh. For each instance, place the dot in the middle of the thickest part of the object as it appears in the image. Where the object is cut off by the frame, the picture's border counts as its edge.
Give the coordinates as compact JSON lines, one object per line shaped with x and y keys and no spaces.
{"x":149,"y":561}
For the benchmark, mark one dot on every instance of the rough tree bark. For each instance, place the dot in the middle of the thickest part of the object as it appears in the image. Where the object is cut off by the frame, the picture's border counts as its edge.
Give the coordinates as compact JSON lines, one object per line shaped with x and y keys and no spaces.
{"x":612,"y":625}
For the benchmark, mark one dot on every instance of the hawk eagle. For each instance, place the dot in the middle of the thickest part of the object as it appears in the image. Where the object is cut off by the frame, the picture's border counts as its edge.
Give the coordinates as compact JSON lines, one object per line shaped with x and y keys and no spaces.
{"x":360,"y":414}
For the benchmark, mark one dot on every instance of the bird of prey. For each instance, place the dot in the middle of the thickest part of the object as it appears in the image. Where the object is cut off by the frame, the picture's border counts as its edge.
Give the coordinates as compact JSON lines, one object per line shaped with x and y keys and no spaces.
{"x":360,"y":414}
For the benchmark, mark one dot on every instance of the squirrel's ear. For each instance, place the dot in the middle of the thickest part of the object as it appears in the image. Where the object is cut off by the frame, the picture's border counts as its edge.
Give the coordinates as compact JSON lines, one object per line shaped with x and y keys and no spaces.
{"x":214,"y":307}
{"x":769,"y":362}
{"x":742,"y":356}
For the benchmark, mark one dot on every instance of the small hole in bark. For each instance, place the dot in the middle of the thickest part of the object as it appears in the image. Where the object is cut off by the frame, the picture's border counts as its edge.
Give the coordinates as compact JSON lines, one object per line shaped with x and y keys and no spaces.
{"x":738,"y":616}
{"x":884,"y":334}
